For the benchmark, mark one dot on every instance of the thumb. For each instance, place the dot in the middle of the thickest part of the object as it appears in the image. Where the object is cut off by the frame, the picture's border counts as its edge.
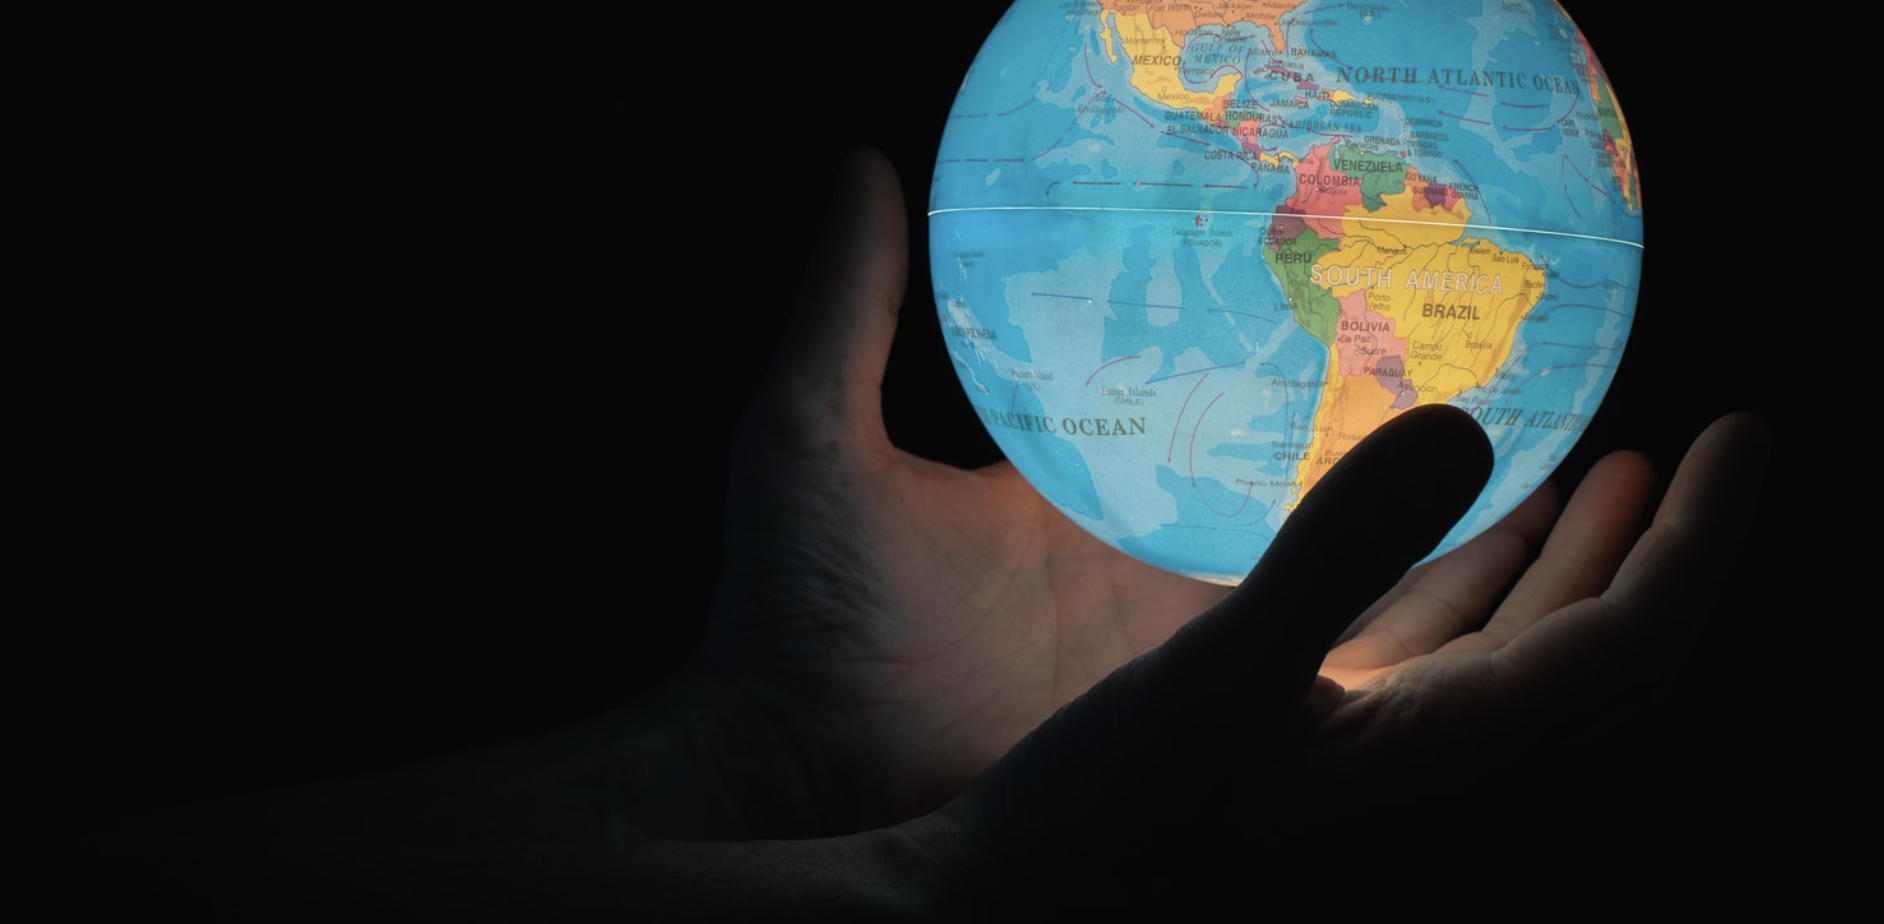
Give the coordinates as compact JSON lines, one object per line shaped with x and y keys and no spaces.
{"x":1376,"y":514}
{"x":825,"y":381}
{"x":1158,"y":744}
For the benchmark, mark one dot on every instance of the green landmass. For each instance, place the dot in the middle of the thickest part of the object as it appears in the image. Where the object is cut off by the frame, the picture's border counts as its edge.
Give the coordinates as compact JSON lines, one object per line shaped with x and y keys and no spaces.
{"x":1315,"y":309}
{"x":1380,"y":174}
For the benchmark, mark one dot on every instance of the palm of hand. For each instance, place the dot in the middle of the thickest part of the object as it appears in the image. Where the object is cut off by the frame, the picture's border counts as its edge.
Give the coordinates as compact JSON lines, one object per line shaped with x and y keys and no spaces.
{"x":916,"y":619}
{"x":1453,"y":662}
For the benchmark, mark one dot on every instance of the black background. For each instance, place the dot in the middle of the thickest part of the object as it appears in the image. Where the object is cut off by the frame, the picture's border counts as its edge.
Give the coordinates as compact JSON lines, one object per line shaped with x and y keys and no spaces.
{"x":428,"y":328}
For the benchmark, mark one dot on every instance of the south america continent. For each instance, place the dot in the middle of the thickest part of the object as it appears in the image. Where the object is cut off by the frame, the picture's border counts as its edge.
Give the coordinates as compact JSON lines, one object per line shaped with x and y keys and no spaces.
{"x":1376,"y":265}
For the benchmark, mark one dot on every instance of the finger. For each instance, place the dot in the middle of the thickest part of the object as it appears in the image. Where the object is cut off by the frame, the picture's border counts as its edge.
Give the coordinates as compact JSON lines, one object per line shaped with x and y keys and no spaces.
{"x":1350,"y":540}
{"x":1668,"y":581}
{"x":828,"y":371}
{"x":1582,"y":553}
{"x":1354,"y":537}
{"x":1158,"y":735}
{"x":1706,"y":512}
{"x":1437,"y":601}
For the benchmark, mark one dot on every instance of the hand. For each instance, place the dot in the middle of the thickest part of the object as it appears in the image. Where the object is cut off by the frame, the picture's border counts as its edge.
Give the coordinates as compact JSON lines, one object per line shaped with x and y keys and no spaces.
{"x":885,"y":626}
{"x":1450,"y":670}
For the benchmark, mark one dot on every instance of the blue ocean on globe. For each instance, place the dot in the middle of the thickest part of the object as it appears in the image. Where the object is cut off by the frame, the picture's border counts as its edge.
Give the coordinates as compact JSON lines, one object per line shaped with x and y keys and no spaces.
{"x":1187,"y":255}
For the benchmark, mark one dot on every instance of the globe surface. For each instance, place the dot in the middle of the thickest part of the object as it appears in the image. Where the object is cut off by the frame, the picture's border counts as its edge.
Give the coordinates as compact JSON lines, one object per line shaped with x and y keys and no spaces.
{"x":1186,"y":254}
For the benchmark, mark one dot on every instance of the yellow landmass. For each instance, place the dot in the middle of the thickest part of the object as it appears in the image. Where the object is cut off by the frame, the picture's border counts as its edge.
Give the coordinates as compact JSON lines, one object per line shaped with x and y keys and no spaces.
{"x":1277,"y":158}
{"x":1454,"y":307}
{"x":1622,"y":164}
{"x":1351,"y":407}
{"x":1159,"y":81}
{"x":1181,"y":16}
{"x":1458,"y":306}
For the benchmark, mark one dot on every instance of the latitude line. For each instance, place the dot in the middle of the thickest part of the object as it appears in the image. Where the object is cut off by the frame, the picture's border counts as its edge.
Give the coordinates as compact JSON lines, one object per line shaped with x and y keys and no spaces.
{"x":1391,"y":221}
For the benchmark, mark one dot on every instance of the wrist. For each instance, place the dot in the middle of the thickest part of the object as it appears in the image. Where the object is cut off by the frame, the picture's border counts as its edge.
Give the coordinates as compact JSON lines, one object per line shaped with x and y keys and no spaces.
{"x":697,"y":759}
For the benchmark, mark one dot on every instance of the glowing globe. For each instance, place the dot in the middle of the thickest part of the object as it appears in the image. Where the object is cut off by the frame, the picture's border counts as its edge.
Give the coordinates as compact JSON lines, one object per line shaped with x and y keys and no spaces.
{"x":1187,"y":255}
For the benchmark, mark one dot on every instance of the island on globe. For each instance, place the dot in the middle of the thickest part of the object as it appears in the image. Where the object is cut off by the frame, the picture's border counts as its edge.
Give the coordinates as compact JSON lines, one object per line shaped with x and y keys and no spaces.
{"x":1187,"y":254}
